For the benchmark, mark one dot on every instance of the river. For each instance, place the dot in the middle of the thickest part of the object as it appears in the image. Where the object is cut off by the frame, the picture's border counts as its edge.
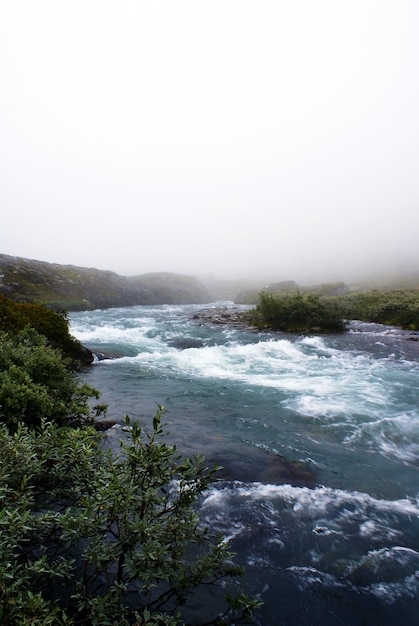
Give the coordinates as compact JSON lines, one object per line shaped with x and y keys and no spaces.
{"x":319,"y":440}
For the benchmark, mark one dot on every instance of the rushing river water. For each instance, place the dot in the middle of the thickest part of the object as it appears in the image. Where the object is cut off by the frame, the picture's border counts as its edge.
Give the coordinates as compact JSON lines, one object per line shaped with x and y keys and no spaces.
{"x":319,"y":439}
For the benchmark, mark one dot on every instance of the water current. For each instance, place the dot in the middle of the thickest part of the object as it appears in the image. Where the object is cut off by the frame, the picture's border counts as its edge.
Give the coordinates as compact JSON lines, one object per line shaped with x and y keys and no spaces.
{"x":319,"y":440}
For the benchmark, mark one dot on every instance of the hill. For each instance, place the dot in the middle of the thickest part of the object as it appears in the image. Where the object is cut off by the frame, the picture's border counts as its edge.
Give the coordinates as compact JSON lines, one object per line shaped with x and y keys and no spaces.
{"x":76,"y":288}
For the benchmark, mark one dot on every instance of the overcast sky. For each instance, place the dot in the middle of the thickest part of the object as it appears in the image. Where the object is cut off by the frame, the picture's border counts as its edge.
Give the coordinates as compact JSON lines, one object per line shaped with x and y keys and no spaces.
{"x":233,"y":137}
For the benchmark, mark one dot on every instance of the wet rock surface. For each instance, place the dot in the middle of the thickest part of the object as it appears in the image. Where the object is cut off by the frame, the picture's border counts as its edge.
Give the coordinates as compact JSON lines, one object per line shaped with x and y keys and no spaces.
{"x":265,"y":468}
{"x":223,"y":315}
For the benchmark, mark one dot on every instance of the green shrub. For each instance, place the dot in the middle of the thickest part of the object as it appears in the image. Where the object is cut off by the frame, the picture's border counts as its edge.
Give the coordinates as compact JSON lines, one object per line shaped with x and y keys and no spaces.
{"x":35,"y":383}
{"x":88,"y":537}
{"x":38,"y":471}
{"x":327,"y":313}
{"x":14,"y":317}
{"x":296,"y":313}
{"x":395,"y":307}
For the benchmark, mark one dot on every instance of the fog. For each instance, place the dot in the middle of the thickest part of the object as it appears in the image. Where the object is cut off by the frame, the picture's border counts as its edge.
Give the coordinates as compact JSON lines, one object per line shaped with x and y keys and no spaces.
{"x":240,"y":138}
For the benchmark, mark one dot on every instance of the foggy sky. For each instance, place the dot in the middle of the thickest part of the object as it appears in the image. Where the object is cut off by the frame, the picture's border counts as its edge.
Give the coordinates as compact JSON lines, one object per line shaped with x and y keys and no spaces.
{"x":234,"y":137}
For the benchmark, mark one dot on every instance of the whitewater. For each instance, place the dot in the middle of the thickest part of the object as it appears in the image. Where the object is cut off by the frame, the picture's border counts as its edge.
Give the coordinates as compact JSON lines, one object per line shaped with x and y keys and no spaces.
{"x":319,"y":440}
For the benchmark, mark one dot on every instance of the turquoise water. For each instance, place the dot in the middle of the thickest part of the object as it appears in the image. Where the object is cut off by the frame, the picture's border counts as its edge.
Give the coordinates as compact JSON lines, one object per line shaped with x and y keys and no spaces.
{"x":319,"y":439}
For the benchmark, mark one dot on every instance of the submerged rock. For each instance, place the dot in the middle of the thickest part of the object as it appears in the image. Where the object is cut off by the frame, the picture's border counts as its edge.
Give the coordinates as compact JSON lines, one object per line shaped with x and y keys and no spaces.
{"x":104,"y":424}
{"x":266,"y":468}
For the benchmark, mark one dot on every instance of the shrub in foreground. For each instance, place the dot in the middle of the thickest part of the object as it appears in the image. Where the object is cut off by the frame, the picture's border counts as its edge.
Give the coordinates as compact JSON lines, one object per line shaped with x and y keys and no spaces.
{"x":88,"y":537}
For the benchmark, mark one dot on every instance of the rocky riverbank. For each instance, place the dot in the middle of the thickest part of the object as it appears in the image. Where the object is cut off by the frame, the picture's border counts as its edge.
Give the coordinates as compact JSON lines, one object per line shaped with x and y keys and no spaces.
{"x":223,"y":315}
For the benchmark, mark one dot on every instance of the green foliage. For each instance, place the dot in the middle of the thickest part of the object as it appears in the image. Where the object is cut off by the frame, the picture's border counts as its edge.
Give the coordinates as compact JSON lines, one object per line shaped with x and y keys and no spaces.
{"x":310,"y":312}
{"x":37,"y":469}
{"x":14,"y":317}
{"x":295,"y":313}
{"x":396,"y":307}
{"x":35,"y":383}
{"x":88,"y":537}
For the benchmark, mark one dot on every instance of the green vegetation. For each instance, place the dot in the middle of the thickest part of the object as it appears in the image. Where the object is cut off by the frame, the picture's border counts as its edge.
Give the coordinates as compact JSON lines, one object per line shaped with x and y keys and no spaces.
{"x":80,"y":288}
{"x":311,"y":313}
{"x":14,"y":317}
{"x":398,"y":307}
{"x":35,"y":383}
{"x":88,"y":536}
{"x":295,"y":313}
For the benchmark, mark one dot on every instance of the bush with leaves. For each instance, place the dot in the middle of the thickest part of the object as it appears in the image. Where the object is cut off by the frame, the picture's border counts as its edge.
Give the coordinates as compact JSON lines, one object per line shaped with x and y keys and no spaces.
{"x":397,"y":307}
{"x":36,"y":383}
{"x":40,"y":473}
{"x":90,"y":537}
{"x":15,"y":316}
{"x":296,"y":313}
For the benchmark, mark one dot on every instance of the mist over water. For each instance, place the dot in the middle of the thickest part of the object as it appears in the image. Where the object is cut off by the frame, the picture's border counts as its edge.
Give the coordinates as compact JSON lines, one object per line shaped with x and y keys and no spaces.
{"x":319,"y":438}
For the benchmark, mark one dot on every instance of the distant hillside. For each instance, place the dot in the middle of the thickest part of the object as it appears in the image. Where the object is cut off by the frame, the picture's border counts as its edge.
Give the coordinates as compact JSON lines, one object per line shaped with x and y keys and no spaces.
{"x":290,"y":287}
{"x":79,"y":288}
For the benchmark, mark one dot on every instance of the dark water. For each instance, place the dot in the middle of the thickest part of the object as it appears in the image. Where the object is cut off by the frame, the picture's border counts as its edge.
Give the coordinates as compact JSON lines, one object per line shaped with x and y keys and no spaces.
{"x":319,"y":439}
